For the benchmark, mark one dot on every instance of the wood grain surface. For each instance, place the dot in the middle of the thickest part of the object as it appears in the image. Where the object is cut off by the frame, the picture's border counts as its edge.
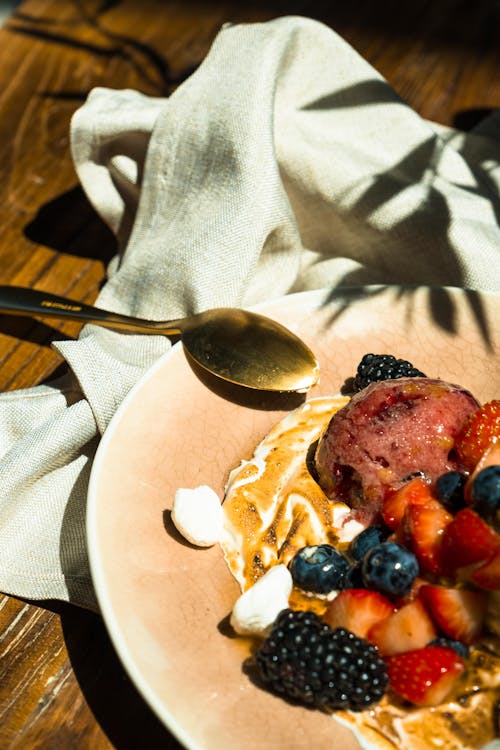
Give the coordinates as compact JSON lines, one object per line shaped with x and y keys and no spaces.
{"x":61,"y":685}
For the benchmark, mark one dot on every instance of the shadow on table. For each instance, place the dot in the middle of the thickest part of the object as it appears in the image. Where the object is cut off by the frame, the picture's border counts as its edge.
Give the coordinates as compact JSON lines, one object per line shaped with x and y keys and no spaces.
{"x":69,"y":224}
{"x":30,"y":330}
{"x":121,"y":712}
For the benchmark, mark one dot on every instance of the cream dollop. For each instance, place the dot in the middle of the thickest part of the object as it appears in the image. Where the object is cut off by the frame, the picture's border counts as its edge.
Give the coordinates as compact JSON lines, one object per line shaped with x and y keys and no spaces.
{"x":257,"y":608}
{"x":197,"y":515}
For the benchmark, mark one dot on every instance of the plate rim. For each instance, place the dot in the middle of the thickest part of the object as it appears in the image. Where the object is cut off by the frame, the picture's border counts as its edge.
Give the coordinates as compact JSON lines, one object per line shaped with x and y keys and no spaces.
{"x":166,"y":717}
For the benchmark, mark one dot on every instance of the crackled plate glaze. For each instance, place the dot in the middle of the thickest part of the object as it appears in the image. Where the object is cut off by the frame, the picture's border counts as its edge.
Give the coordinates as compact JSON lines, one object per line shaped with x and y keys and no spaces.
{"x":165,"y":603}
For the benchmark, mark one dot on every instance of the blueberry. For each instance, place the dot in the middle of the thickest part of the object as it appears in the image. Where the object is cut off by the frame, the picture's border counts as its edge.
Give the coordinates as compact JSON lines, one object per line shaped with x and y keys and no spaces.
{"x":354,"y":577}
{"x":460,"y":648}
{"x":450,"y":490}
{"x":485,"y":492}
{"x":365,"y":540}
{"x":319,"y":568}
{"x":390,"y":568}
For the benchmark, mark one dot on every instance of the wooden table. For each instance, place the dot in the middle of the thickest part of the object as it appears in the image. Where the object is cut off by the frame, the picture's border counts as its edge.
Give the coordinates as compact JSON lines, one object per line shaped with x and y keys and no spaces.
{"x":61,"y":684}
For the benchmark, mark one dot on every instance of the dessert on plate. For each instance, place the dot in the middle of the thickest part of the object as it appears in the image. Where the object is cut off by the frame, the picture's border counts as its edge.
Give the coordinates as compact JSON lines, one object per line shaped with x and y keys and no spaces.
{"x":365,"y":535}
{"x":387,"y":431}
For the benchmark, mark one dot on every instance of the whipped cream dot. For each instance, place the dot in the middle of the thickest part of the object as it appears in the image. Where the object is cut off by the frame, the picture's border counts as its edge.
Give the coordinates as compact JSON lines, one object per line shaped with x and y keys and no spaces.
{"x":197,"y":515}
{"x":257,"y":608}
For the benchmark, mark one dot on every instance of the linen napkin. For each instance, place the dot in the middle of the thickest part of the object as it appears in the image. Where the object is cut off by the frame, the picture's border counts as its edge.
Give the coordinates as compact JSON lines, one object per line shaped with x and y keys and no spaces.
{"x":284,"y":163}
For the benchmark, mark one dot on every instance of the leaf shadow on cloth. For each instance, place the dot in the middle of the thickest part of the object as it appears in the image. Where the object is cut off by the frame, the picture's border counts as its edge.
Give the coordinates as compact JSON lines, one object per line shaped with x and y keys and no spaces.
{"x":404,"y":218}
{"x":358,"y":95}
{"x":407,"y":271}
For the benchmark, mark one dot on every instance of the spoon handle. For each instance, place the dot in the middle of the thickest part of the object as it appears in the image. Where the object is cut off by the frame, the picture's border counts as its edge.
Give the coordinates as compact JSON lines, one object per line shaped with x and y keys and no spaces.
{"x":29,"y":302}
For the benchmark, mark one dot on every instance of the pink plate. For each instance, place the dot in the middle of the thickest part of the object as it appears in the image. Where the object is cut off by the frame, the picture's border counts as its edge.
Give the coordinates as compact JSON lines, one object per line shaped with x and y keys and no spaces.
{"x":166,"y":603}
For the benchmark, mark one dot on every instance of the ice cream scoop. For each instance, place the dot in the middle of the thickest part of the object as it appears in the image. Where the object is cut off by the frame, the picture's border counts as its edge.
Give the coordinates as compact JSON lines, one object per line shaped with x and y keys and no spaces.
{"x":387,"y":432}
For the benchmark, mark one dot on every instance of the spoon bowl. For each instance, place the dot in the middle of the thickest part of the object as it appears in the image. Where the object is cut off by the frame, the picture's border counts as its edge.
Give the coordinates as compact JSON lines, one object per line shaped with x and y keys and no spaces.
{"x":239,"y":346}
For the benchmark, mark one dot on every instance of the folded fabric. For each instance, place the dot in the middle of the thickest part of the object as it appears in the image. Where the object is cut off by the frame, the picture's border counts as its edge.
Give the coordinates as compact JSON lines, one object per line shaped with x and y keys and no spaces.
{"x":284,"y":163}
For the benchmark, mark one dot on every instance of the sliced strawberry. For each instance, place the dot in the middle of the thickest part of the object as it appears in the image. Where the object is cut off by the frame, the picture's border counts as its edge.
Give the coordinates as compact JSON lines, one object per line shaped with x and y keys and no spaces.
{"x":425,"y":676}
{"x":409,"y":628}
{"x":412,"y":594}
{"x":424,"y":527}
{"x":488,"y":575}
{"x":358,"y":610}
{"x":414,"y":492}
{"x":459,"y":613}
{"x":467,"y":539}
{"x":480,"y":430}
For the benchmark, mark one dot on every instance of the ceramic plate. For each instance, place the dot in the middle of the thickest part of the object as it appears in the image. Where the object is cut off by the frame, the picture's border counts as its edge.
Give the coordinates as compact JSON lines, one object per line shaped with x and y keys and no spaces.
{"x":166,"y":604}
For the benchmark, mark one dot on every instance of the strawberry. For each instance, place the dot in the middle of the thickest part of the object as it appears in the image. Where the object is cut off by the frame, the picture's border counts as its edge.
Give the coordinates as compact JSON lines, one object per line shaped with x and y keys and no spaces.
{"x":412,"y":594}
{"x":466,"y":540}
{"x":425,"y":676}
{"x":478,"y":433}
{"x":409,"y":628}
{"x":459,"y":613}
{"x":414,"y":492}
{"x":488,"y":575}
{"x":357,"y":610}
{"x":424,"y":526}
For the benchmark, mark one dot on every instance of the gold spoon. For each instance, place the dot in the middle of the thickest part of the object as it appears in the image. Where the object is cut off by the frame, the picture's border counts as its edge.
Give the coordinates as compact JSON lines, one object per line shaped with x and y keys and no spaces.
{"x":240,"y":347}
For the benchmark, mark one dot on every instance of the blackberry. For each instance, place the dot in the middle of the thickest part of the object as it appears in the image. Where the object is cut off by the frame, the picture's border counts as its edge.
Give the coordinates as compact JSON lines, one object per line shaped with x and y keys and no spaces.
{"x":375,"y":367}
{"x":306,"y":660}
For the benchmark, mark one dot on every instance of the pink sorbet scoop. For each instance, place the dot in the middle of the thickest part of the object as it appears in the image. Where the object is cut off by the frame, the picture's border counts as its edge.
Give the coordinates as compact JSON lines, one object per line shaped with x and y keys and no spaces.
{"x":388,"y":431}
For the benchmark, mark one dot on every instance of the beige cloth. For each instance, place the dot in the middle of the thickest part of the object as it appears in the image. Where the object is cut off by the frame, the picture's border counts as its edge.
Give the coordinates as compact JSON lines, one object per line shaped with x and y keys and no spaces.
{"x":284,"y":163}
